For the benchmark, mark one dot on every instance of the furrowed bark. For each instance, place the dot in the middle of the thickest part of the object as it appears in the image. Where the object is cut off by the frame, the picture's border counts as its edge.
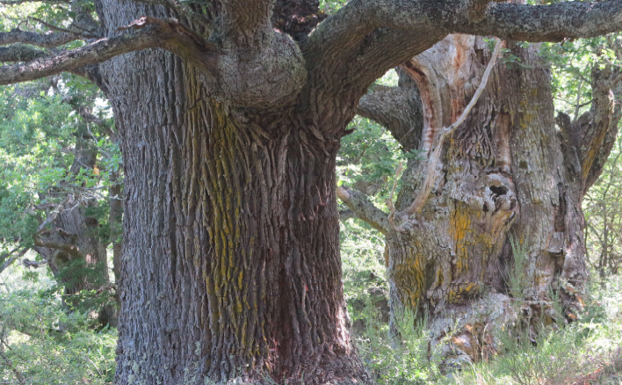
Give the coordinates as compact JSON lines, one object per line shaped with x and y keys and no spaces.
{"x":230,"y":266}
{"x":536,"y":23}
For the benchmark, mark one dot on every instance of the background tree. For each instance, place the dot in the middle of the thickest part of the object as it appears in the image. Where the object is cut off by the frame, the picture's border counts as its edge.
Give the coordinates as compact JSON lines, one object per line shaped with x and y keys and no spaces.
{"x":231,"y":262}
{"x":494,"y":183}
{"x":57,"y":158}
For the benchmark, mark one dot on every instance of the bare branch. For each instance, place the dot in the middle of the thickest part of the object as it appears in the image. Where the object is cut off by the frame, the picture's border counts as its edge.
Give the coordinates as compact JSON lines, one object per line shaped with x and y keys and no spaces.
{"x":64,"y":30}
{"x":50,"y":40}
{"x":167,"y":34}
{"x":28,"y":263}
{"x":20,"y":53}
{"x":364,"y":209}
{"x":10,"y":257}
{"x":398,"y":109}
{"x":555,"y":22}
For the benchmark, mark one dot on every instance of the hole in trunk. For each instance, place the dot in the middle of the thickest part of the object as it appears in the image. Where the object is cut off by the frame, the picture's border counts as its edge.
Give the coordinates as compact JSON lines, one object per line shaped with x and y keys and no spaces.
{"x":498,"y":190}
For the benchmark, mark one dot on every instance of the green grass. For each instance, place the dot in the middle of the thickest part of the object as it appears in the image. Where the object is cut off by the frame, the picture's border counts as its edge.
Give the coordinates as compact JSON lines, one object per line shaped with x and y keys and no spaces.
{"x":587,"y":351}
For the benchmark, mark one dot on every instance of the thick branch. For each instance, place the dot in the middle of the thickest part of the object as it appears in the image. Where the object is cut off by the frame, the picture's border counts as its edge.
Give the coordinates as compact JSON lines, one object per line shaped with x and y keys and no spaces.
{"x":536,"y":23}
{"x":20,"y":53}
{"x":364,"y":209}
{"x":380,"y":34}
{"x":163,"y":34}
{"x":50,"y":40}
{"x":589,"y":139}
{"x":398,"y":109}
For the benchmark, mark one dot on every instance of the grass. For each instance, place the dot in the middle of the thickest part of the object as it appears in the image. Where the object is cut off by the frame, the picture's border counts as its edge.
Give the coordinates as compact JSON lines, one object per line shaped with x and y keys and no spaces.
{"x":587,"y":351}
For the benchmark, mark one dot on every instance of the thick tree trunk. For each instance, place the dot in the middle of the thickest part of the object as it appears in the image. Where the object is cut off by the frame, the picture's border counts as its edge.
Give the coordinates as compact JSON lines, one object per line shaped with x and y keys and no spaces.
{"x":231,"y":264}
{"x":505,"y":175}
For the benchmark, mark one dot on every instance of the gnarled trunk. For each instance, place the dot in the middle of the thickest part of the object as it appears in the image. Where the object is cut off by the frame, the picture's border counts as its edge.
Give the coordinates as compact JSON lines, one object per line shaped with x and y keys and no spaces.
{"x":504,"y":175}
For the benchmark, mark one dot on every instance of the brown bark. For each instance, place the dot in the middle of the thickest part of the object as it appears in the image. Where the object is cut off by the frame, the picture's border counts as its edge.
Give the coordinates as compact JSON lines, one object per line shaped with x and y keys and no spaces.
{"x":231,"y":265}
{"x":504,"y":173}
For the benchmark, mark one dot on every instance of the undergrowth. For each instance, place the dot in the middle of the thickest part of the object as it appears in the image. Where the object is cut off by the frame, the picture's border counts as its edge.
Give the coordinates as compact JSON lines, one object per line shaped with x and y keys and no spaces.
{"x":586,"y":351}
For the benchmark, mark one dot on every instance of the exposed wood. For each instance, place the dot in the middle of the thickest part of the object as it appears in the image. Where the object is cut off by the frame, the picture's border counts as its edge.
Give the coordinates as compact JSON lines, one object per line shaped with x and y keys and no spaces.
{"x":445,"y":132}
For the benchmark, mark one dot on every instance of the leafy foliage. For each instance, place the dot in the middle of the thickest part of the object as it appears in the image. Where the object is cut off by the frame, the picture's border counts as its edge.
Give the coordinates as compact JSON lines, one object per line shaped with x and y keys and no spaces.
{"x":44,"y":342}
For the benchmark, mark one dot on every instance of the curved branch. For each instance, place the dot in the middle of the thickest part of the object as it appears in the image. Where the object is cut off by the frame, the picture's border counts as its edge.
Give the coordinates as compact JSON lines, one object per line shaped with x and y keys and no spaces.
{"x":398,"y":109}
{"x":366,"y":38}
{"x":164,"y":34}
{"x":50,"y":40}
{"x":364,"y":209}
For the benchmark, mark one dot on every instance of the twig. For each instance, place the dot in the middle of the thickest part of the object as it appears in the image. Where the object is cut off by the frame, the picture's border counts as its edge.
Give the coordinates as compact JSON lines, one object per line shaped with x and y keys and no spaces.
{"x":55,"y":28}
{"x":14,"y":258}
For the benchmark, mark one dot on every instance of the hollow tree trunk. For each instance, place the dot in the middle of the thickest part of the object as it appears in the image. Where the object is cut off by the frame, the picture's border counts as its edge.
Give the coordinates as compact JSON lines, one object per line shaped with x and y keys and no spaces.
{"x":505,"y":173}
{"x":230,"y":265}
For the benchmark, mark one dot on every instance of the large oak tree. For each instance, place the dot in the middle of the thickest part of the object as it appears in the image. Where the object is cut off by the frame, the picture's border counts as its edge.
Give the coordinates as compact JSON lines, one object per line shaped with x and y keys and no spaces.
{"x":230,"y":114}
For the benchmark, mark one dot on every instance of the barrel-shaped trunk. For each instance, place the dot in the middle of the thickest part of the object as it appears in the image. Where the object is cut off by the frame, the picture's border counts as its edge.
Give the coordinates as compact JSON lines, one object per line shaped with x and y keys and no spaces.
{"x":231,"y":264}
